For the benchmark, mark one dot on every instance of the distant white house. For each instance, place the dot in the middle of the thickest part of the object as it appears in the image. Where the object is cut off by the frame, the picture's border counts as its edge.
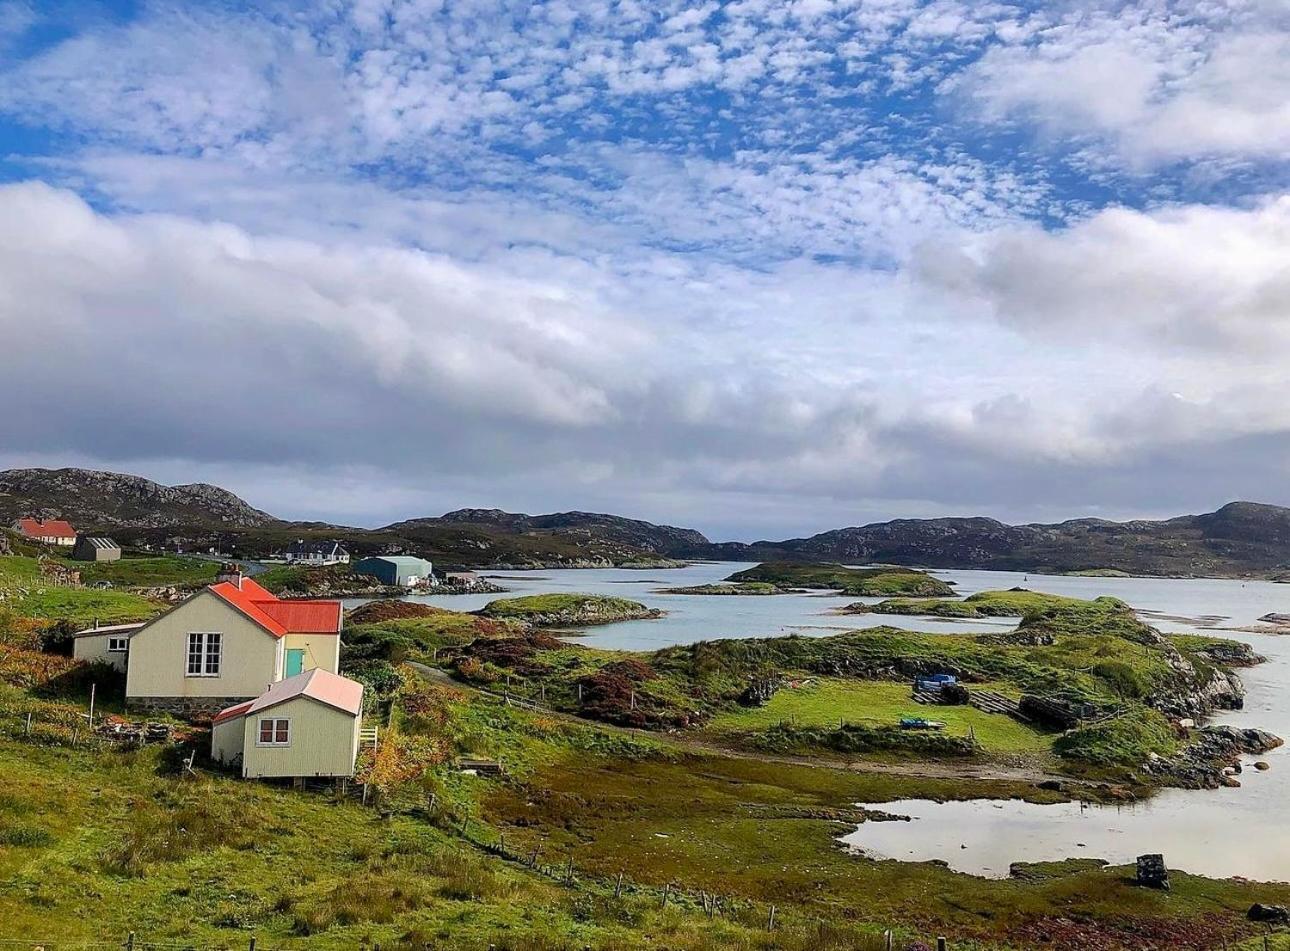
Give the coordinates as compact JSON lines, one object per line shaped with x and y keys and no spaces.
{"x":306,"y":726}
{"x":316,"y":553}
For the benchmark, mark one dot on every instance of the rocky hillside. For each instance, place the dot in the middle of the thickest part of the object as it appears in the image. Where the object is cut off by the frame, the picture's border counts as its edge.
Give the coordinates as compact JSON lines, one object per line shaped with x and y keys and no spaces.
{"x":1241,"y":538}
{"x":634,"y":534}
{"x":96,"y":500}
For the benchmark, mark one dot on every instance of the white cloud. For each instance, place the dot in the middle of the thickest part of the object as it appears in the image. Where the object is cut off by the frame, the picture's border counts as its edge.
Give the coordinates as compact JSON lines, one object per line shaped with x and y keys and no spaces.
{"x":1158,"y":83}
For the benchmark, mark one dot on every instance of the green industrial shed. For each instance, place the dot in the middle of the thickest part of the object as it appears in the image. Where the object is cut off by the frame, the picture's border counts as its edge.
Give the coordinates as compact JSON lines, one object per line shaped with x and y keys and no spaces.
{"x":395,"y":569}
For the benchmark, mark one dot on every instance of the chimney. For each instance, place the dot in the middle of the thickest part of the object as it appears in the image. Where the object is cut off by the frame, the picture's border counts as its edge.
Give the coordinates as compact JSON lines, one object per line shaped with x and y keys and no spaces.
{"x":232,"y":573}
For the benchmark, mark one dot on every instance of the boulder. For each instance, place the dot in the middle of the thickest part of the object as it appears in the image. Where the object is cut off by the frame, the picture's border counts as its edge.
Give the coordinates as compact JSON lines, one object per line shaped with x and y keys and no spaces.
{"x":1270,"y":914}
{"x":1152,"y":871}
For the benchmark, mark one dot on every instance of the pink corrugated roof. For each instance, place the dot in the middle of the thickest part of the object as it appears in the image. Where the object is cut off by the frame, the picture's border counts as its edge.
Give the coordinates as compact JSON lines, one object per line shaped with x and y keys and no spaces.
{"x":234,"y":711}
{"x":317,"y":684}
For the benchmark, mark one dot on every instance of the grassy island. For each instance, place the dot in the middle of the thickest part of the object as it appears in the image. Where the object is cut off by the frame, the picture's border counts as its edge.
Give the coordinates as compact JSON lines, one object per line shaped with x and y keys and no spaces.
{"x":563,"y":610}
{"x":882,"y":582}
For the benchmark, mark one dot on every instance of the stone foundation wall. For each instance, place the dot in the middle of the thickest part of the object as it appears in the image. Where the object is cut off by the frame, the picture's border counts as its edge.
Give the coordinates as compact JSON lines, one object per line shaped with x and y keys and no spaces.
{"x":188,"y":708}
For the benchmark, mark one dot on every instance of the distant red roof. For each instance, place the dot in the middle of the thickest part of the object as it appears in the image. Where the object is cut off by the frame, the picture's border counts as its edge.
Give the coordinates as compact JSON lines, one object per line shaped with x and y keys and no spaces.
{"x":279,"y":617}
{"x":50,"y":528}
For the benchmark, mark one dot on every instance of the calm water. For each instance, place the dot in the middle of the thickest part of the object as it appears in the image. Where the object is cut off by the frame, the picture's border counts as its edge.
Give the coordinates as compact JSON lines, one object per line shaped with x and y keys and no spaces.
{"x":1223,"y":832}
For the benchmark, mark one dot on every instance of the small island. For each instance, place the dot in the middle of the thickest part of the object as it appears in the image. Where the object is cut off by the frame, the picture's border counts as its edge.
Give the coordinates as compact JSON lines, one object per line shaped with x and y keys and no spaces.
{"x":1015,"y":602}
{"x":729,"y":588}
{"x":567,"y":610}
{"x":878,"y":582}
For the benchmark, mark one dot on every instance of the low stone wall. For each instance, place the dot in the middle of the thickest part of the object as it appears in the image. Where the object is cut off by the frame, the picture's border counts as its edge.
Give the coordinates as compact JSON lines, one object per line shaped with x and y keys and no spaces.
{"x":188,"y":708}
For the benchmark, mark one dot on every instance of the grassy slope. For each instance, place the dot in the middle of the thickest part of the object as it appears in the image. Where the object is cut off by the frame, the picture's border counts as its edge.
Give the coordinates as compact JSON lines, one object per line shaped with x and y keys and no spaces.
{"x":26,"y":593}
{"x":148,"y":572}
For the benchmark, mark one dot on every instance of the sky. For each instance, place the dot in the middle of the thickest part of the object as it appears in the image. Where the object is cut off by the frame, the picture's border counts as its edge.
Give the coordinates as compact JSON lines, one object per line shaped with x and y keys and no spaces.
{"x":762,"y":267}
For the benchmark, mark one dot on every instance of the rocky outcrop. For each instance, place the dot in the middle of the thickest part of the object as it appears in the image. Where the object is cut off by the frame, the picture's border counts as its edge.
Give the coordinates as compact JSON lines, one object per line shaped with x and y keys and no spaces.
{"x":1212,"y":758}
{"x":102,"y":500}
{"x":759,"y":691}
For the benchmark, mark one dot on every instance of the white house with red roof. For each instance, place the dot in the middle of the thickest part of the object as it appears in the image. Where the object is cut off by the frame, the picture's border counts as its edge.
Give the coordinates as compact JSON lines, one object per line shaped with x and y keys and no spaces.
{"x":306,"y":726}
{"x":228,"y":643}
{"x":50,"y":531}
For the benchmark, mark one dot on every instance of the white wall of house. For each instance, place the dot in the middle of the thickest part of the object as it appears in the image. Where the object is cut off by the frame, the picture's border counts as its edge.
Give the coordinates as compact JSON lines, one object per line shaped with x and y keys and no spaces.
{"x":321,"y":650}
{"x":106,"y":648}
{"x":321,"y":741}
{"x":226,"y":741}
{"x":250,"y":658}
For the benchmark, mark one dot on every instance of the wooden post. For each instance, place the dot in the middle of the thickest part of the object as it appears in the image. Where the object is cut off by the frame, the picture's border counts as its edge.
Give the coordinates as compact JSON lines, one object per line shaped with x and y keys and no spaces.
{"x":251,"y":947}
{"x":433,"y":799}
{"x":633,"y":699}
{"x":537,"y":850}
{"x":887,"y":940}
{"x":580,"y":693}
{"x":129,"y":942}
{"x":618,"y":886}
{"x":667,"y":890}
{"x":365,"y":788}
{"x":940,"y":944}
{"x":770,"y":922}
{"x":568,"y":872}
{"x":93,"y":688}
{"x":28,"y":723}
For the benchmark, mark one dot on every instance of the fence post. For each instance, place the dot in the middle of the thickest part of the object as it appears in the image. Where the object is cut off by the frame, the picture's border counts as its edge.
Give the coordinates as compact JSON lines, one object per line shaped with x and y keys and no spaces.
{"x":618,"y":886}
{"x":129,"y":942}
{"x":28,"y":733}
{"x":667,"y":890}
{"x":940,"y":944}
{"x":252,"y":945}
{"x":887,"y":940}
{"x":770,"y":922}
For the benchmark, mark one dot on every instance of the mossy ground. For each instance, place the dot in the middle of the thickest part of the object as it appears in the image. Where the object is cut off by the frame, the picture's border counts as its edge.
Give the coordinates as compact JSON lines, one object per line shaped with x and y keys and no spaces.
{"x":829,"y":701}
{"x":24,"y":591}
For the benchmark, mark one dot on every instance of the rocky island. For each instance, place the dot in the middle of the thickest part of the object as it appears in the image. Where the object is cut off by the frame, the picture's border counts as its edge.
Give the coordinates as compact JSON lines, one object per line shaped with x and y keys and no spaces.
{"x":567,"y":610}
{"x":879,"y":582}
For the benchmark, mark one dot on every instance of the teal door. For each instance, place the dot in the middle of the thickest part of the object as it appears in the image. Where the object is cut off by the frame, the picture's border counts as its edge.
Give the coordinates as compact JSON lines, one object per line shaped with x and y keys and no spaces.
{"x":295,"y":661}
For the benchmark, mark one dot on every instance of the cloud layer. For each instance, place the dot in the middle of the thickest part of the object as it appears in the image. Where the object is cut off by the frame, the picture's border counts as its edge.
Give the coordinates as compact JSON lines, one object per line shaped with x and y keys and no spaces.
{"x":762,"y":267}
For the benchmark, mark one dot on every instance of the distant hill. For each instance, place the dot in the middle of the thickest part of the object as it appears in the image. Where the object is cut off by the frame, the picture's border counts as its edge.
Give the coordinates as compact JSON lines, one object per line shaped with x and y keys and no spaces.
{"x":1241,"y":539}
{"x":94,"y":500}
{"x":642,"y":536}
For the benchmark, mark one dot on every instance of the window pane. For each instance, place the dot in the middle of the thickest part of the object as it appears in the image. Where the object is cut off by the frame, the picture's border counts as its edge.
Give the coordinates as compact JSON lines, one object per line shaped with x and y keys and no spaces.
{"x":212,"y":653}
{"x":283,"y":731}
{"x":266,"y":731}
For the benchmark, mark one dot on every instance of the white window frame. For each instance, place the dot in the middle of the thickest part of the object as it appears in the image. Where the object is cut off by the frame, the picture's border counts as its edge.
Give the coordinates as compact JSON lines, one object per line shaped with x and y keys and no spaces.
{"x":118,"y":645}
{"x":204,"y":653}
{"x":278,"y":723}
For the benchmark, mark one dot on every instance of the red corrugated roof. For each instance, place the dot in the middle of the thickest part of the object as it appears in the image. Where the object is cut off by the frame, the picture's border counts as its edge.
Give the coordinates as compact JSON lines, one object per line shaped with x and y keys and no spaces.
{"x":280,"y":617}
{"x":304,"y":617}
{"x":50,"y":528}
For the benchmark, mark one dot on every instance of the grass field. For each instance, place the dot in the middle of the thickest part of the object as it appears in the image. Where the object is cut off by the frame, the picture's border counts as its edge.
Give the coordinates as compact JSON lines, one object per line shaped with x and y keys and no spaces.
{"x":149,"y":572}
{"x":824,"y":702}
{"x":23,"y":591}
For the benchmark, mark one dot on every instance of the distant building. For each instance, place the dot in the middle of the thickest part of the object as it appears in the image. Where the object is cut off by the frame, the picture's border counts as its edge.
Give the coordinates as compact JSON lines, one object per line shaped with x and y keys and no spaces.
{"x":316,"y":553}
{"x":395,"y":569}
{"x":306,"y":726}
{"x":95,"y":548}
{"x":53,"y":531}
{"x":105,"y":645}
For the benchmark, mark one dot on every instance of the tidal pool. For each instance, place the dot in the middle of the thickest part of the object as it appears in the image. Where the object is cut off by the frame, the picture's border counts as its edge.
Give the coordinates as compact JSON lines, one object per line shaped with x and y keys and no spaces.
{"x":1208,"y":833}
